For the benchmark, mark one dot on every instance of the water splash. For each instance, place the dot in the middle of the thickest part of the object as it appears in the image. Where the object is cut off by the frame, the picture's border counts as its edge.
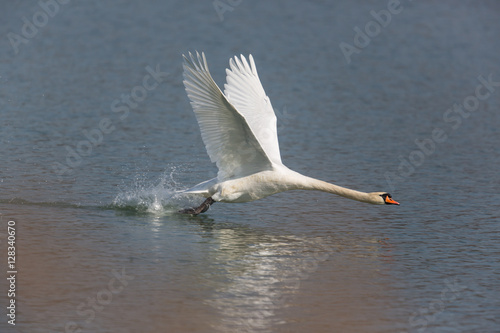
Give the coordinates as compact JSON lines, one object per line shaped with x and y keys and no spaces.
{"x":159,"y":197}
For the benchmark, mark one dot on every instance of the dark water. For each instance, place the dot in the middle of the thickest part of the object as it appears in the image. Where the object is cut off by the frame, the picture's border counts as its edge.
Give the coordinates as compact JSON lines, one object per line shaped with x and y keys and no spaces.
{"x":98,"y":247}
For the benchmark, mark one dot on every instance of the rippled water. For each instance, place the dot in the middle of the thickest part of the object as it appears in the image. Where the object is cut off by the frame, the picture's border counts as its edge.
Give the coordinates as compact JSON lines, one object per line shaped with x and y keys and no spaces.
{"x":99,"y":246}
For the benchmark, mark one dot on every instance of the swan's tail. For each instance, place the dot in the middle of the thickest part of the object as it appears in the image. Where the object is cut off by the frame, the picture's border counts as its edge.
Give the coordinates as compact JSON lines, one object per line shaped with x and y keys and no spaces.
{"x":202,"y":188}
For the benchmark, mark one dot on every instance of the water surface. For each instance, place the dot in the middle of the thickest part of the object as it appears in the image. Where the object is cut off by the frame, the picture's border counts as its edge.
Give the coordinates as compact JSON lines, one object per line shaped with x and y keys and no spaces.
{"x":100,"y":247}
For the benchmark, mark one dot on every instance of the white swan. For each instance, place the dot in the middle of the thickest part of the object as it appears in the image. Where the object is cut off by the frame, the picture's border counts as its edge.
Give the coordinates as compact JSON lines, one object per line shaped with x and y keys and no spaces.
{"x":238,"y":128}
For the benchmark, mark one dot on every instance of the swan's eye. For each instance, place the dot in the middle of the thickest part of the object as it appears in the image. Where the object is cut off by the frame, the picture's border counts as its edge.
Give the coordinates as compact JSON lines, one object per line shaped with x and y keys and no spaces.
{"x":388,"y":199}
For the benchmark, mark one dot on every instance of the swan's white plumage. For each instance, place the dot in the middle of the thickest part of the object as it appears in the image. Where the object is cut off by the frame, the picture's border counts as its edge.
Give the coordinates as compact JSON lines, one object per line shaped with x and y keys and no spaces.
{"x":239,"y":130}
{"x":245,"y":92}
{"x":228,"y":138}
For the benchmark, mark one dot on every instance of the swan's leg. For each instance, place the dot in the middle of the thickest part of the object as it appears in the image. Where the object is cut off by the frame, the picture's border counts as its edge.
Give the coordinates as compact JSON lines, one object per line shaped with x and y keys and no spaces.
{"x":200,"y":209}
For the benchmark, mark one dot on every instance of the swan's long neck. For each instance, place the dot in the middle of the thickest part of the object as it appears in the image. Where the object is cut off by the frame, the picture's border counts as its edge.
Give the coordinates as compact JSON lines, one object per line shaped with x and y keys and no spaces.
{"x":308,"y":183}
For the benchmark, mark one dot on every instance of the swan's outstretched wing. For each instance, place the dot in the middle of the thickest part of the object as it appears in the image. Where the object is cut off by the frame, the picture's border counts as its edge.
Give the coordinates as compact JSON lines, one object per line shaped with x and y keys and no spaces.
{"x":244,"y":90}
{"x":229,"y":141}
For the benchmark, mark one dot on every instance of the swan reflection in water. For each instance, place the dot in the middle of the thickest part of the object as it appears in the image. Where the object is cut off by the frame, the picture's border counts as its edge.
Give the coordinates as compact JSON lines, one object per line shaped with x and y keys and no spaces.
{"x":254,"y":276}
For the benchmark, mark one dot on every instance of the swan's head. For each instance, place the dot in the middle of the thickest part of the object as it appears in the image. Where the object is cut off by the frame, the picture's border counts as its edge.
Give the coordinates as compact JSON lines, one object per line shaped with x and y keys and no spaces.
{"x":383,"y":198}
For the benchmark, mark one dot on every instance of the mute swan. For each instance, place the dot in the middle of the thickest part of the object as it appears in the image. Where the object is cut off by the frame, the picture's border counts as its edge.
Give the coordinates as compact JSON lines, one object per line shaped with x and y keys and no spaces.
{"x":238,"y":128}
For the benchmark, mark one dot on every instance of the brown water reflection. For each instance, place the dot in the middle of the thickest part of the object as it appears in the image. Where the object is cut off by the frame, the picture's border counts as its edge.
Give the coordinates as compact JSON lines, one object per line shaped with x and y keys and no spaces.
{"x":165,"y":274}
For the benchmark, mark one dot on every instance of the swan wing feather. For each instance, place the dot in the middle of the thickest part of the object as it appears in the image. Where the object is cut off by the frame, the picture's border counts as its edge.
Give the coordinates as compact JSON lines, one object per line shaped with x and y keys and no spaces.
{"x":229,"y":140}
{"x":244,"y":90}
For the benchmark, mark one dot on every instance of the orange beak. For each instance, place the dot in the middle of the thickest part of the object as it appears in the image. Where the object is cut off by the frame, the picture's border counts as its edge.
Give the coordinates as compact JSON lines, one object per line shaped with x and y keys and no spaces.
{"x":389,"y":200}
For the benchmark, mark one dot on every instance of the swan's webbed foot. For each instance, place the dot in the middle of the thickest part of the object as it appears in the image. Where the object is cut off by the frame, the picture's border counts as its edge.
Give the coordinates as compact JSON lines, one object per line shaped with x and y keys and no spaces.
{"x":200,"y":209}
